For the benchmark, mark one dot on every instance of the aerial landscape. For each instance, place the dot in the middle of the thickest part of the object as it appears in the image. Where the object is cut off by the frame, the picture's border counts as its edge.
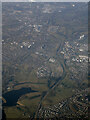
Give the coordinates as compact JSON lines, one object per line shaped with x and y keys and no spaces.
{"x":45,"y":60}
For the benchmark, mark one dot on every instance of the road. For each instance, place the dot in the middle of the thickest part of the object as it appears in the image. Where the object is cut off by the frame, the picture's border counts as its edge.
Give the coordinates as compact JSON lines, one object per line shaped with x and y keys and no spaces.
{"x":58,"y":81}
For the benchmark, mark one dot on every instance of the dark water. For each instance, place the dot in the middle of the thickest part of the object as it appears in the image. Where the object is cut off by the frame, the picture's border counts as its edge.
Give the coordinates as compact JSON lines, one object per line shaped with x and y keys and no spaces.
{"x":13,"y":96}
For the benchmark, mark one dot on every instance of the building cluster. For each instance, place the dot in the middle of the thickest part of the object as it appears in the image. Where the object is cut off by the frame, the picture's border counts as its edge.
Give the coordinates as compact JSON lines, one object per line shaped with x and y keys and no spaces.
{"x":76,"y":55}
{"x":77,"y":104}
{"x":43,"y":71}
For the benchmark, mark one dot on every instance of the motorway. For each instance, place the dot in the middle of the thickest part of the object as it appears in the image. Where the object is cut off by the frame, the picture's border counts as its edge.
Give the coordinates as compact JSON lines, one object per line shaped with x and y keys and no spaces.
{"x":58,"y":81}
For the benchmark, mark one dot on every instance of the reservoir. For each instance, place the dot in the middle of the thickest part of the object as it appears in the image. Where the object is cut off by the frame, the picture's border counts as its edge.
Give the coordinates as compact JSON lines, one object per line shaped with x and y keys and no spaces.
{"x":12,"y":97}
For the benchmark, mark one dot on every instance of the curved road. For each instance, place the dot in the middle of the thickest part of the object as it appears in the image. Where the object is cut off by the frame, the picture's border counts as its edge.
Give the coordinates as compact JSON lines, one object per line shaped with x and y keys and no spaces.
{"x":58,"y":80}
